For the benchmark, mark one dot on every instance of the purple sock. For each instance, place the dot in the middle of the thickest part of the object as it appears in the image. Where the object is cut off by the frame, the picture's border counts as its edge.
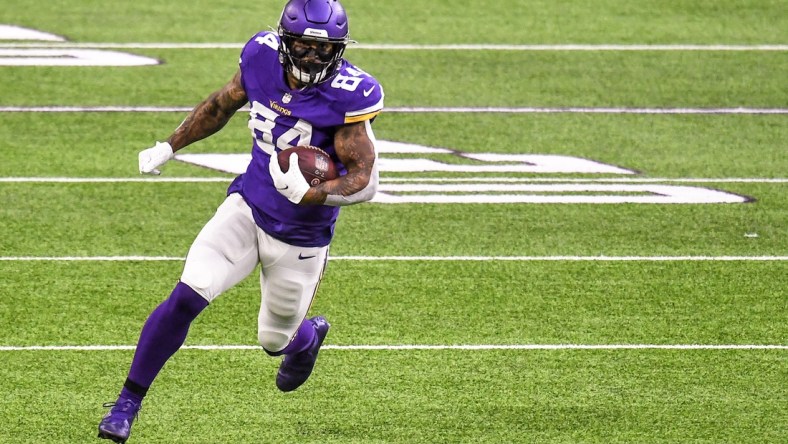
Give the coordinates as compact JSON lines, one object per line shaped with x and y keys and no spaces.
{"x":162,"y":335}
{"x":304,"y":338}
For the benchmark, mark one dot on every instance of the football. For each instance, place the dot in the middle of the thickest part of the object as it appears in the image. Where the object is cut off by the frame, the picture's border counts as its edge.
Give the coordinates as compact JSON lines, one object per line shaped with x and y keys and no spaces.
{"x":315,"y":164}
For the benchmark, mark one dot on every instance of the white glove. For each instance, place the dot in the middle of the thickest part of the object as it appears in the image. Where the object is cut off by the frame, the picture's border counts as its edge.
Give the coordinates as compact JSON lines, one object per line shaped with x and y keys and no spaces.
{"x":291,"y":184}
{"x":152,"y":158}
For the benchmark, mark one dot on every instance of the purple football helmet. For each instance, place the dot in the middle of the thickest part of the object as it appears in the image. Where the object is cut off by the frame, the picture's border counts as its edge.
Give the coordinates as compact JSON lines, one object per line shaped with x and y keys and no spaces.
{"x":313,"y":35}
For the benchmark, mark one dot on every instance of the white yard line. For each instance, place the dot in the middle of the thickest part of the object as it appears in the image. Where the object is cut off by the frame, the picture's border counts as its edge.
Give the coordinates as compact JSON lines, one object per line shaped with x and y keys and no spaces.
{"x":426,"y":258}
{"x":586,"y":110}
{"x":95,"y":109}
{"x":114,"y":179}
{"x":565,"y":258}
{"x":401,"y":180}
{"x":422,"y":109}
{"x":589,"y":180}
{"x":417,"y":47}
{"x":424,"y":347}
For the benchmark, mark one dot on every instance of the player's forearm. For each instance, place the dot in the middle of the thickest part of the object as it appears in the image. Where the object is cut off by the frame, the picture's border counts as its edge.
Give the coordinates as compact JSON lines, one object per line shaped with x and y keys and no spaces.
{"x":354,"y":144}
{"x":204,"y":120}
{"x":352,"y":188}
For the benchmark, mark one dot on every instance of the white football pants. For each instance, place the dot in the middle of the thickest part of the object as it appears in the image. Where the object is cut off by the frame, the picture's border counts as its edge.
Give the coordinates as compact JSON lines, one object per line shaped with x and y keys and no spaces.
{"x":228,"y":249}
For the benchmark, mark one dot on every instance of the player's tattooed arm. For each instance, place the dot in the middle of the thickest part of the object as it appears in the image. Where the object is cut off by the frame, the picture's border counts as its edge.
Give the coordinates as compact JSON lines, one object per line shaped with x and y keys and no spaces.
{"x":357,"y":152}
{"x":211,"y":114}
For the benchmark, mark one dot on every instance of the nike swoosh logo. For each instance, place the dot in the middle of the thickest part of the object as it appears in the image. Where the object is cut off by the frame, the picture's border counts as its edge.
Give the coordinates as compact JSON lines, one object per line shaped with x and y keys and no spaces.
{"x":282,"y":189}
{"x":367,"y":92}
{"x":302,"y":257}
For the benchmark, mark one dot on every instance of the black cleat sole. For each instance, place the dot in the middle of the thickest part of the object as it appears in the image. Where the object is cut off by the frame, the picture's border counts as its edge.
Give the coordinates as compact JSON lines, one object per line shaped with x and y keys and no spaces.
{"x":111,"y":437}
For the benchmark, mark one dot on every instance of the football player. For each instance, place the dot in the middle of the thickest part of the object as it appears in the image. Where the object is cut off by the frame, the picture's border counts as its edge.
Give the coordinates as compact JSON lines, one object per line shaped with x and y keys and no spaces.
{"x":301,"y":91}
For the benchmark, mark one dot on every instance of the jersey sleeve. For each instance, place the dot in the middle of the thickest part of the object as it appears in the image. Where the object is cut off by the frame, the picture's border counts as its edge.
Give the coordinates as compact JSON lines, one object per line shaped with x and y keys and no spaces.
{"x":264,"y":40}
{"x":360,"y":94}
{"x":367,"y":103}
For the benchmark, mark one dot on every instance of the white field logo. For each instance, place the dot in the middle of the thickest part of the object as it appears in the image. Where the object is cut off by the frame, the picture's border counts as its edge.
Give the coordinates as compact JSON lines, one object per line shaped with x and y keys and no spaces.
{"x":478,"y":189}
{"x":498,"y":189}
{"x":60,"y":57}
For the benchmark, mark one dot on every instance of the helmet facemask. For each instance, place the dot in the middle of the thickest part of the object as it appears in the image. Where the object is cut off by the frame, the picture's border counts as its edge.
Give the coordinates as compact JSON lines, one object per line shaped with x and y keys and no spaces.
{"x":310,"y":59}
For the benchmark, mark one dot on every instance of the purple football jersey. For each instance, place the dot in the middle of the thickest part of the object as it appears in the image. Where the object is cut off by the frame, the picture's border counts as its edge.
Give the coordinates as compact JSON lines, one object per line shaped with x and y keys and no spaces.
{"x":280,"y":118}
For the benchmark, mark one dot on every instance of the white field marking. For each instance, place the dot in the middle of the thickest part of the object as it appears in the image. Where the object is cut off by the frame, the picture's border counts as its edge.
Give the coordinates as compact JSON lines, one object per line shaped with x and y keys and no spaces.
{"x":71,"y":57}
{"x":425,"y":347}
{"x":587,"y":110}
{"x":460,"y":110}
{"x":96,"y":109}
{"x":596,"y":180}
{"x":11,"y":32}
{"x":402,"y":180}
{"x":427,"y":258}
{"x":508,"y":163}
{"x":414,"y":47}
{"x":114,"y":179}
{"x":566,"y":258}
{"x":90,"y":258}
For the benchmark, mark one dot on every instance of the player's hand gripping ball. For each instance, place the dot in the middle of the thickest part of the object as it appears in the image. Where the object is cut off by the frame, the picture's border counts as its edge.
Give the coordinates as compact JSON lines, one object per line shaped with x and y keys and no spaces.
{"x":315,"y":164}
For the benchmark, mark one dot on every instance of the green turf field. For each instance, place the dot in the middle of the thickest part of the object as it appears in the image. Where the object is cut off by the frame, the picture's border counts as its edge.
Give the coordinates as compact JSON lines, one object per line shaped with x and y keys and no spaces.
{"x":455,"y":322}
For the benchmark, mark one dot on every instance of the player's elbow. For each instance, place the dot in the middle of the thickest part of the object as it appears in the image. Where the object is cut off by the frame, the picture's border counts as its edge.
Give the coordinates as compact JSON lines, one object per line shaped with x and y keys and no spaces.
{"x":370,"y":189}
{"x":364,"y":194}
{"x":373,"y":191}
{"x":366,"y":185}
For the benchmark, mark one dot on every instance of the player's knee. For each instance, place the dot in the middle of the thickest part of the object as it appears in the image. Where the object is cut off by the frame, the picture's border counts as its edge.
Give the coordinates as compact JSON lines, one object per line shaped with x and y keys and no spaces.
{"x":202,"y":272}
{"x":200,"y":284}
{"x":272,"y":341}
{"x":186,"y":300}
